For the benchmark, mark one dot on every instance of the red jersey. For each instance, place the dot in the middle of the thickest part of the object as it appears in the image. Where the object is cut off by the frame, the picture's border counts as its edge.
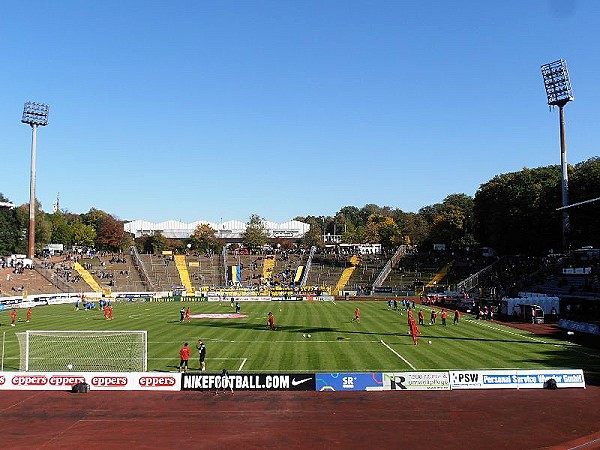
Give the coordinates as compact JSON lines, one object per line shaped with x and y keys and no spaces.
{"x":357,"y":313}
{"x":13,"y":315}
{"x":184,"y":353}
{"x":411,"y":322}
{"x":29,"y":314}
{"x":444,"y":314}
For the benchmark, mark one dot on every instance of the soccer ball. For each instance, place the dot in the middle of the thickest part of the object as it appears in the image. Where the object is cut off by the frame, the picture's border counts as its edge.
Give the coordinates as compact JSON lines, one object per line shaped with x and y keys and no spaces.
{"x":304,"y":335}
{"x":70,"y":366}
{"x":429,"y":342}
{"x":308,"y":335}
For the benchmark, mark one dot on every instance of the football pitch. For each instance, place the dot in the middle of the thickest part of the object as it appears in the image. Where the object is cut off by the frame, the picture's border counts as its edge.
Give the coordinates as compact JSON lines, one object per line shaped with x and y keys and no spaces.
{"x":311,"y":337}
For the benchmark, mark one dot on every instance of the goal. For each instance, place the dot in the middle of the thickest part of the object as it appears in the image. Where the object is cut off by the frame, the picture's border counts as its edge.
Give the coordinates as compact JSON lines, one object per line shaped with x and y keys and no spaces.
{"x":83,"y":351}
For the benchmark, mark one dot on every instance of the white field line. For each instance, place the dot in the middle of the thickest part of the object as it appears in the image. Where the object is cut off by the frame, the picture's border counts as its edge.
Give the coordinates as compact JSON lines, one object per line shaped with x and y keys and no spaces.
{"x":398,"y":355}
{"x":242,"y":364}
{"x":567,"y":346}
{"x":482,"y":323}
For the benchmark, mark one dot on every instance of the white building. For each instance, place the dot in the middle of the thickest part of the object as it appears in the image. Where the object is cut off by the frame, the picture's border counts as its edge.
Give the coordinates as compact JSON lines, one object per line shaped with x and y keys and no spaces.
{"x":231,"y":229}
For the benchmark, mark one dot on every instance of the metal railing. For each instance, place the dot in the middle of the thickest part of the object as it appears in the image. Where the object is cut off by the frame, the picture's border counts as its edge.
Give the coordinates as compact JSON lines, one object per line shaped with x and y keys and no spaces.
{"x":54,"y":279}
{"x":313,"y":249}
{"x":141,"y":267}
{"x":385,"y":271}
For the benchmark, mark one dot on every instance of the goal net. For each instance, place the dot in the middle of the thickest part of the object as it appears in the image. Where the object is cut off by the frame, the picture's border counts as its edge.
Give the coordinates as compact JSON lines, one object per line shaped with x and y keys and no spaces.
{"x":83,"y":351}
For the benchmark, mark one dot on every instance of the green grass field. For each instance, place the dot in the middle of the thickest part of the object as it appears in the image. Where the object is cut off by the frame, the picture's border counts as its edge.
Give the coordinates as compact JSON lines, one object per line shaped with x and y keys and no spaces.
{"x":337,"y":344}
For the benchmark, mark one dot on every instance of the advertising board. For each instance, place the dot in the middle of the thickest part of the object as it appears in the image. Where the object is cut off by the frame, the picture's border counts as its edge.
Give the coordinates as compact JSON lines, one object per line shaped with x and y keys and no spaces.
{"x":416,"y":381}
{"x":248,"y":382}
{"x":515,"y":379}
{"x":349,"y":382}
{"x":108,"y":381}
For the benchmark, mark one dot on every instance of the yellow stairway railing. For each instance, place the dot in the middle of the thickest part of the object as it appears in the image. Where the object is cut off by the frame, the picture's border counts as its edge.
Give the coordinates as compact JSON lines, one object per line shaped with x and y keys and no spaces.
{"x":439,"y":276}
{"x":184,"y":274}
{"x":268,"y":266}
{"x":87,"y":277}
{"x":346,"y":274}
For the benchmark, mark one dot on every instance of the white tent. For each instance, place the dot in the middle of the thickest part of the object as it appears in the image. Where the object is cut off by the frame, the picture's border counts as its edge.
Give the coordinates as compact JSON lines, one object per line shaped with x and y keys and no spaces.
{"x":509,"y":305}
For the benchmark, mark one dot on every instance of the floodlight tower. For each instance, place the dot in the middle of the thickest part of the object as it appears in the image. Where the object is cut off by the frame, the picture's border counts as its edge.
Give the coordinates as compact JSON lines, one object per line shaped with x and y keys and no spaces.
{"x":36,"y":115}
{"x":559,"y":93}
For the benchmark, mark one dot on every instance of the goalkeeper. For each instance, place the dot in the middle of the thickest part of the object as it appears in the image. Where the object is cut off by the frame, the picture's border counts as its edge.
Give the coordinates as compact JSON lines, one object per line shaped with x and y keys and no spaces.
{"x":201,"y":347}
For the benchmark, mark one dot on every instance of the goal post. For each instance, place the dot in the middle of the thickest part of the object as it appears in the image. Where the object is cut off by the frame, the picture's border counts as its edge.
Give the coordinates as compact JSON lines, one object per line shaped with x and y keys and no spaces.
{"x":83,"y":351}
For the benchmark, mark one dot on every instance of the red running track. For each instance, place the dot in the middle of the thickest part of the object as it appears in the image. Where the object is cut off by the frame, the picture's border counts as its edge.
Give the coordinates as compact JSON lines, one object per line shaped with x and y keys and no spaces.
{"x":491,"y":419}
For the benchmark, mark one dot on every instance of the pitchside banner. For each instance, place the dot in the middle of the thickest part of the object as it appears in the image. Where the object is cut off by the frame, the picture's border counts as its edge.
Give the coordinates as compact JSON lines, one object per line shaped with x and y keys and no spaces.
{"x":416,"y":381}
{"x":248,"y":382}
{"x":515,"y":379}
{"x":349,"y":382}
{"x":483,"y":379}
{"x":105,"y":381}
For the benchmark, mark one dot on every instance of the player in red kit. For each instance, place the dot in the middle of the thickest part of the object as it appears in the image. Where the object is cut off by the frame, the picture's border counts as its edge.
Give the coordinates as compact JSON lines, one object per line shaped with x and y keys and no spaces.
{"x":271,"y":322}
{"x":456,"y":317}
{"x":188,"y":314}
{"x":13,"y":318}
{"x":28,"y":314}
{"x":184,"y":357}
{"x":421,"y":318}
{"x":356,"y":315}
{"x":414,"y":330}
{"x":444,"y":315}
{"x":433,"y":317}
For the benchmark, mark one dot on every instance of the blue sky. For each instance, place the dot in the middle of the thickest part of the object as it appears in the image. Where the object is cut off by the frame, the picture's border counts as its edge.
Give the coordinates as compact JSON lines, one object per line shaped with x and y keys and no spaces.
{"x":217,"y":110}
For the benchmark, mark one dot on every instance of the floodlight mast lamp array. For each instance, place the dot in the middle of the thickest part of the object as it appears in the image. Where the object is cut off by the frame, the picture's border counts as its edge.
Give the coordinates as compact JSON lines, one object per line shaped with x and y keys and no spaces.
{"x":35,"y":115}
{"x":559,"y":93}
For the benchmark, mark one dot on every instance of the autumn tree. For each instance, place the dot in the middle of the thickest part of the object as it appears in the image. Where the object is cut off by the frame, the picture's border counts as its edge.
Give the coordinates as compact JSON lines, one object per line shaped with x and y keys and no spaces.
{"x":390,"y":235}
{"x":256,"y":234}
{"x":152,"y":244}
{"x":83,"y":234}
{"x":61,"y":232}
{"x":314,"y":234}
{"x":204,"y":240}
{"x":111,"y":234}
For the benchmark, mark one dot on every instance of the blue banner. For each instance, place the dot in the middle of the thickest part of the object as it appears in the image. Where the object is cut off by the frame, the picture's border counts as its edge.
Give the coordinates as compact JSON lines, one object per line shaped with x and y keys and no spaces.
{"x":349,"y":382}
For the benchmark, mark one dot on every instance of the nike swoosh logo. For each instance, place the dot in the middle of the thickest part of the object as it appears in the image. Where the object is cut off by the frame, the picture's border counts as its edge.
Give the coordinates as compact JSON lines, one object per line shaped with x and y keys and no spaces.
{"x":297,"y":382}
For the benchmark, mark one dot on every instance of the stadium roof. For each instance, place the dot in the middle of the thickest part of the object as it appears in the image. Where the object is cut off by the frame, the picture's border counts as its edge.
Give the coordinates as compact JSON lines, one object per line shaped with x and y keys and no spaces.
{"x":231,"y":229}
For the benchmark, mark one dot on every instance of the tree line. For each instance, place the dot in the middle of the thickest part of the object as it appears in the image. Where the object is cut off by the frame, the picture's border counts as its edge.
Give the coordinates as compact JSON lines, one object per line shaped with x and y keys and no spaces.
{"x":513,"y":213}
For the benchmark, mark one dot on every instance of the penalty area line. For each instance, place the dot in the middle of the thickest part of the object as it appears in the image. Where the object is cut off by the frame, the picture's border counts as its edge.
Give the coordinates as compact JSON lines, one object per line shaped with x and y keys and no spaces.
{"x":398,"y":355}
{"x":242,"y":364}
